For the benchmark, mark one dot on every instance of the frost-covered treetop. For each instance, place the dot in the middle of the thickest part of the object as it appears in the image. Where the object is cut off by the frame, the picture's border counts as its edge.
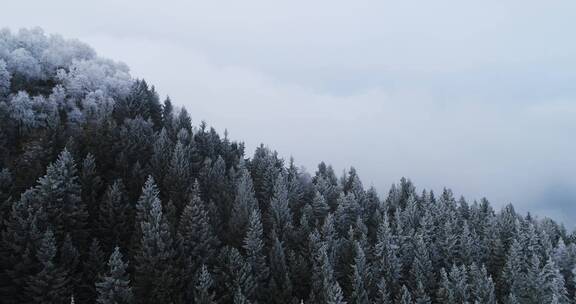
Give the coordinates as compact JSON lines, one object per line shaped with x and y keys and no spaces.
{"x":30,"y":55}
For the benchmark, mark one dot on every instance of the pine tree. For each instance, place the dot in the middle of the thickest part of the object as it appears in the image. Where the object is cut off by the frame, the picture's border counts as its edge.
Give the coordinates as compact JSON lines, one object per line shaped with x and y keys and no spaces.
{"x":50,"y":284}
{"x":149,"y":197}
{"x":244,"y":203}
{"x":445,"y":292}
{"x":383,"y":294}
{"x":69,"y":261}
{"x":360,"y":279}
{"x":93,"y":268}
{"x":405,"y":296}
{"x":264,"y":168}
{"x":514,"y":271}
{"x":4,"y":79}
{"x":203,"y":290}
{"x":347,"y":212}
{"x":387,"y":264}
{"x":232,"y":275}
{"x":20,"y":236}
{"x":421,"y":295}
{"x":280,"y":284}
{"x":167,"y":113}
{"x":421,"y":270}
{"x":91,"y":184}
{"x":196,"y":240}
{"x":114,"y":286}
{"x":280,"y":213}
{"x":162,"y":153}
{"x":179,"y":176}
{"x":325,"y":287}
{"x":459,"y":284}
{"x":482,"y":288}
{"x":59,"y":193}
{"x":551,"y":283}
{"x":512,"y":299}
{"x":254,"y":247}
{"x":334,"y":294}
{"x":320,"y":207}
{"x":115,"y":216}
{"x":155,"y":253}
{"x":239,"y":297}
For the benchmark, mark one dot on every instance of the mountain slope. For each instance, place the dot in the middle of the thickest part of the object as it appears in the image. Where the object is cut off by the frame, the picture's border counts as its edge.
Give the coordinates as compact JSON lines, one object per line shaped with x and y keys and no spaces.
{"x":109,"y":195}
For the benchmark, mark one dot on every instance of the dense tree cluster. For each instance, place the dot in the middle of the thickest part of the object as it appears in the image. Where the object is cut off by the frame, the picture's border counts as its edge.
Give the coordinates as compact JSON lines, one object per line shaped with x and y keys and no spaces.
{"x":108,"y":195}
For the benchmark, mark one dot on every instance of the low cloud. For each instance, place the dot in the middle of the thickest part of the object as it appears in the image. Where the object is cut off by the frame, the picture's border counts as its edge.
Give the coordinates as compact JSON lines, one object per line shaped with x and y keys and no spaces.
{"x":476,"y":97}
{"x":507,"y":152}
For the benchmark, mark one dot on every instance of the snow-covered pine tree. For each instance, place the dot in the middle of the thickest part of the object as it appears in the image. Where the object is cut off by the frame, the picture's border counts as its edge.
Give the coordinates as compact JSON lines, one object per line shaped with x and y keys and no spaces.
{"x":113,"y":287}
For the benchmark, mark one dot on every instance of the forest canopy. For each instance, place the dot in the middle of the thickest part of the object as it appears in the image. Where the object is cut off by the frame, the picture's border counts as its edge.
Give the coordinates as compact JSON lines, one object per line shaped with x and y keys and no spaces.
{"x":109,"y":194}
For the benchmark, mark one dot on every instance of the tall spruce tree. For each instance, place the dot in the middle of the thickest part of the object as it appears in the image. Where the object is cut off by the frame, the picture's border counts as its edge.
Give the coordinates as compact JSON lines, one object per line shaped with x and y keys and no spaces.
{"x":59,"y":193}
{"x":361,"y":277}
{"x":155,"y":276}
{"x":255,"y":255}
{"x":551,"y":284}
{"x":115,"y":218}
{"x":245,"y":201}
{"x":113,"y":287}
{"x":203,"y":290}
{"x":280,"y":213}
{"x":280,"y":285}
{"x":197,"y":243}
{"x":50,"y":284}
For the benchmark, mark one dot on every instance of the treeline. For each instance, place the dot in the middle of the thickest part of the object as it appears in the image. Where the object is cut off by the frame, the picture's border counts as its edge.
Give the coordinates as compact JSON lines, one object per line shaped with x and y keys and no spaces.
{"x":108,"y":195}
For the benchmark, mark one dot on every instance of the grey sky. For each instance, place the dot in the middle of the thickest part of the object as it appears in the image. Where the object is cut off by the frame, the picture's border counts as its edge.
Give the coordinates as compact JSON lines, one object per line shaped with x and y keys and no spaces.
{"x":476,"y":96}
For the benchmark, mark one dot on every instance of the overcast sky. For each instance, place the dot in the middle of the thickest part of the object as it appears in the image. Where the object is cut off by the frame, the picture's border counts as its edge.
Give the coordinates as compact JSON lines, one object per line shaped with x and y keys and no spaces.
{"x":478,"y":96}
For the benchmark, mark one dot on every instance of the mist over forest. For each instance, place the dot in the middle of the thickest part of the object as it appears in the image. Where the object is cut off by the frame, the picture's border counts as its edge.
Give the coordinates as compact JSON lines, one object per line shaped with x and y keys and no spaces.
{"x":111,"y":194}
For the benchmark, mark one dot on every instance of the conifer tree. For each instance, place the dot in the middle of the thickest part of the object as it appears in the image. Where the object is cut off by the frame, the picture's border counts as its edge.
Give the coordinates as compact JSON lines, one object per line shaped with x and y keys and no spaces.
{"x":4,"y":79}
{"x":280,"y":213}
{"x":155,"y":252}
{"x":115,"y":216}
{"x":459,"y":284}
{"x":514,"y":272}
{"x":162,"y":153}
{"x":91,"y":184}
{"x":59,"y":193}
{"x":551,"y":284}
{"x":233,"y":275}
{"x":320,"y":207}
{"x":482,"y":289}
{"x":203,"y":290}
{"x":387,"y":264}
{"x":421,"y":297}
{"x":179,"y":176}
{"x":94,"y":266}
{"x":21,"y":234}
{"x":334,"y":295}
{"x":405,"y":296}
{"x":360,"y":279}
{"x":244,"y":203}
{"x":239,"y":297}
{"x":280,"y":284}
{"x":50,"y":285}
{"x":149,"y":197}
{"x":421,"y":270}
{"x":196,"y":240}
{"x":445,"y":292}
{"x":69,"y":261}
{"x":114,"y":286}
{"x":383,"y":294}
{"x":254,"y":247}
